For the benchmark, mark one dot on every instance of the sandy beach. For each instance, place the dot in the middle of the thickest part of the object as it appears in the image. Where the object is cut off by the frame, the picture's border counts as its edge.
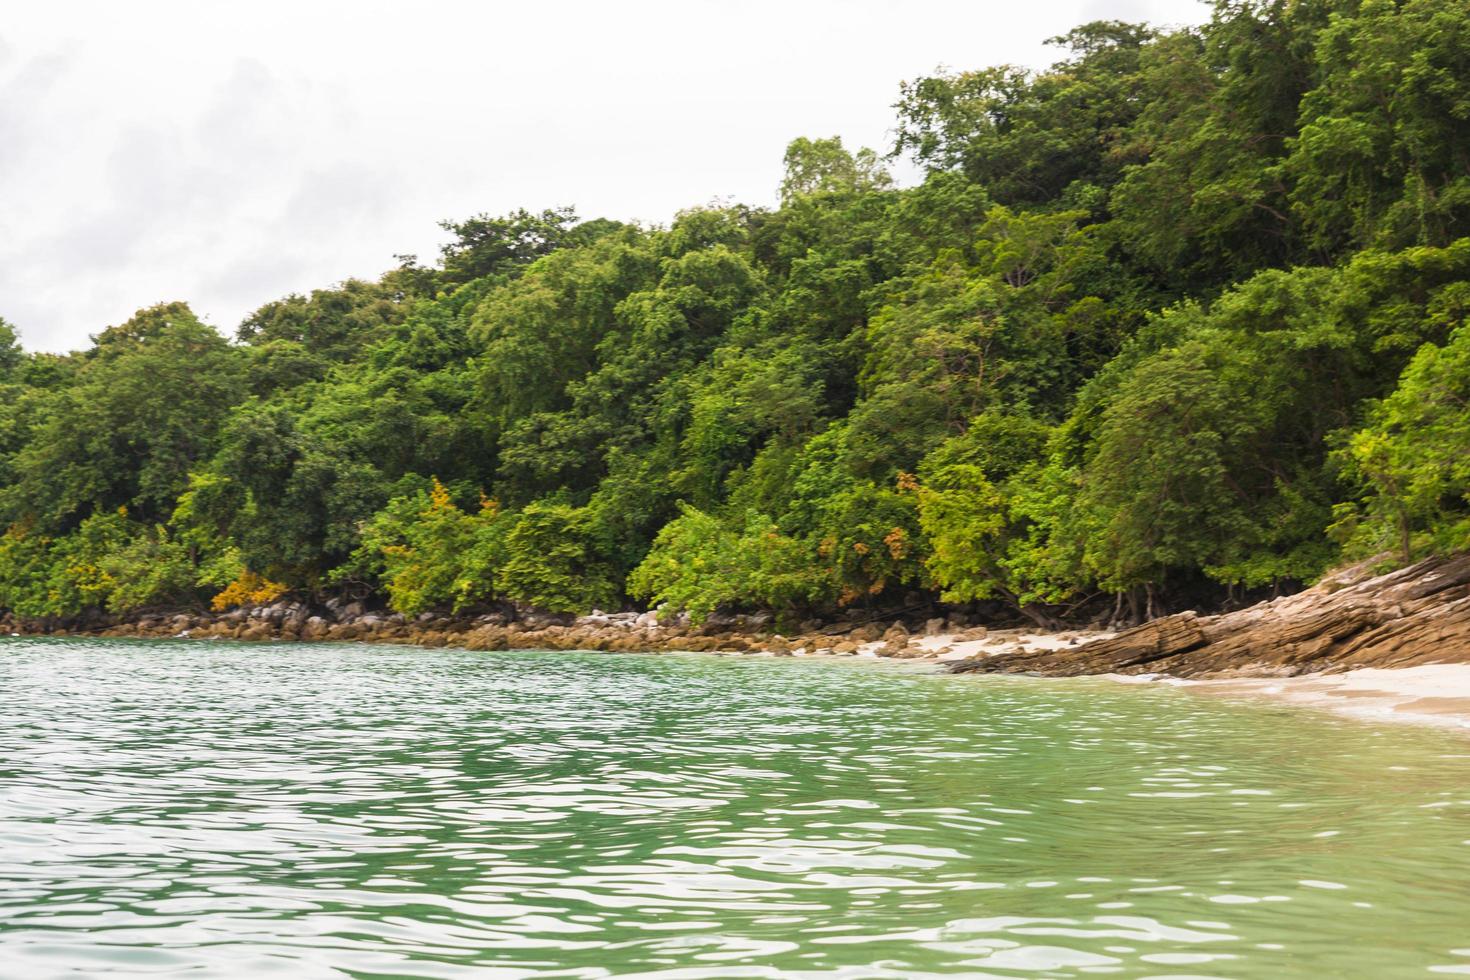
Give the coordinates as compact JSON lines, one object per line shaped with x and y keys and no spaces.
{"x":1430,"y":694}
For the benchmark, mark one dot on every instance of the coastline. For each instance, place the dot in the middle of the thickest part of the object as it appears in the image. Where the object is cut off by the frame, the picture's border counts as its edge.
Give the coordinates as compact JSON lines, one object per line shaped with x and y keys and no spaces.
{"x":1392,"y":647}
{"x":1428,"y":694}
{"x":934,"y":641}
{"x":1436,"y":694}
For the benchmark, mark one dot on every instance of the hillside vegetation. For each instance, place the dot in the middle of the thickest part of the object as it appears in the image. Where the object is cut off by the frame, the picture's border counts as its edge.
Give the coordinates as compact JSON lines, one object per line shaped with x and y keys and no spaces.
{"x":1179,"y":319}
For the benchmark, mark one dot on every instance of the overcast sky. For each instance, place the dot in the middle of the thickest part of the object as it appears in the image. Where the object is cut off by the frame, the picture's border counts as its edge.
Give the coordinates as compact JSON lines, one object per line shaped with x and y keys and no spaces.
{"x":229,"y":153}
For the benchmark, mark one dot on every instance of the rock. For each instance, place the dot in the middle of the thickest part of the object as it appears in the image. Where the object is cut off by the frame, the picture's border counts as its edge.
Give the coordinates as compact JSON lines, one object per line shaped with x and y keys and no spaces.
{"x":256,"y":631}
{"x":933,"y":627}
{"x":539,"y":619}
{"x":1352,"y":618}
{"x":866,"y":634}
{"x":487,"y":637}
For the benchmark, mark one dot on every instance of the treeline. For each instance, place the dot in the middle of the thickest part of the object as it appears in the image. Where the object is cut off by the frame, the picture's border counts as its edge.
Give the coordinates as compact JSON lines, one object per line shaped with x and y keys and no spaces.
{"x":1182,"y":316}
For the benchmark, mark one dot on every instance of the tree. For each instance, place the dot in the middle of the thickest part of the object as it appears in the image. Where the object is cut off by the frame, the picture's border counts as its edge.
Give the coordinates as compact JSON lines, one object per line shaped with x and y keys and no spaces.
{"x":1031,"y":139}
{"x":1413,"y":459}
{"x":977,"y":509}
{"x":108,"y":439}
{"x":11,"y":356}
{"x":823,"y":166}
{"x":485,"y":246}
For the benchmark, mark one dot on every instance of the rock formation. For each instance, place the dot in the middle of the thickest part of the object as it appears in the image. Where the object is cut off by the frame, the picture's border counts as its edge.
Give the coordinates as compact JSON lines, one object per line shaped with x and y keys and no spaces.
{"x":1352,"y":618}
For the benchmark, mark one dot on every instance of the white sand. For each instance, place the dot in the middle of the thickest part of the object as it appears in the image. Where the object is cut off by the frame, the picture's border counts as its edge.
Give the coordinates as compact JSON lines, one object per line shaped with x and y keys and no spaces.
{"x":1002,"y":641}
{"x":946,"y":647}
{"x":1432,"y":694}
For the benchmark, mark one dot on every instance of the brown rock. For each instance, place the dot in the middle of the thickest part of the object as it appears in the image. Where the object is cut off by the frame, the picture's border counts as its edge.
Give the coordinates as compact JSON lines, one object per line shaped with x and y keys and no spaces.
{"x":1352,"y":618}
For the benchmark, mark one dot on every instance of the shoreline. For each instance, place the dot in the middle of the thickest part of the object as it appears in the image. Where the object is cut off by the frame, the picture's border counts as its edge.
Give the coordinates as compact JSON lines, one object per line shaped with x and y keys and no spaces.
{"x":598,"y":633}
{"x":1432,"y":695}
{"x":1435,"y":694}
{"x":1390,"y":647}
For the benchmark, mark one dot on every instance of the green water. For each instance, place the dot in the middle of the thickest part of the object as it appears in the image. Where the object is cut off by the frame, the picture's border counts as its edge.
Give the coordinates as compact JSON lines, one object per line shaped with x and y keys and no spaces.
{"x":312,"y":811}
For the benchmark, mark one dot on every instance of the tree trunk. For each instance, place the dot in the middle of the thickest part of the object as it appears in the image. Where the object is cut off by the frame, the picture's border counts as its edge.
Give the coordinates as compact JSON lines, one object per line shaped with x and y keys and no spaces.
{"x":1117,"y":618}
{"x":1040,"y":617}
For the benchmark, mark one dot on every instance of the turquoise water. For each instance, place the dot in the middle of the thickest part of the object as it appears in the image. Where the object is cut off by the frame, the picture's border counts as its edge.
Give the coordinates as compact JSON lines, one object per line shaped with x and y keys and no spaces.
{"x":205,"y":810}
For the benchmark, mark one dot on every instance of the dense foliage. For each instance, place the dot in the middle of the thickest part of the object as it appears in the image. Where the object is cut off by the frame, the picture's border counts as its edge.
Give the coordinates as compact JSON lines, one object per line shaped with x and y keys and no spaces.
{"x":1182,"y":316}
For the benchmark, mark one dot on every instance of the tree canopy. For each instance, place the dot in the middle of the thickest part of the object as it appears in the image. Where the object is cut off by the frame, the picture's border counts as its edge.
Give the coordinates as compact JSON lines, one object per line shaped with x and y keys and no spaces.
{"x":1180,"y":317}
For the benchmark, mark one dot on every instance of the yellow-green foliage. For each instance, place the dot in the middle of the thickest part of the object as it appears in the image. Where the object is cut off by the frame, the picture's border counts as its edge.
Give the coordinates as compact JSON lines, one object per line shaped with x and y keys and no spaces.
{"x":249,"y":589}
{"x":699,"y":564}
{"x":108,"y":563}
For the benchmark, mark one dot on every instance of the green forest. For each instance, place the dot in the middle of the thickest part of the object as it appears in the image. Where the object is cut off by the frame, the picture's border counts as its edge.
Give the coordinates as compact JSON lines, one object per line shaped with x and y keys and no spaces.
{"x":1179,"y":321}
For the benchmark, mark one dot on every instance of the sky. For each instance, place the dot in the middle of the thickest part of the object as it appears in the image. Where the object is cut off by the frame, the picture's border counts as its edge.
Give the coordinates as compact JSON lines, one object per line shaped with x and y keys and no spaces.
{"x":227,"y":154}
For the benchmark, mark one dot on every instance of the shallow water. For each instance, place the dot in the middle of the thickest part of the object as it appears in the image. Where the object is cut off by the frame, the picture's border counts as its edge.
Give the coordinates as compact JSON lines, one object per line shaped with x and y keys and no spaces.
{"x":328,"y":811}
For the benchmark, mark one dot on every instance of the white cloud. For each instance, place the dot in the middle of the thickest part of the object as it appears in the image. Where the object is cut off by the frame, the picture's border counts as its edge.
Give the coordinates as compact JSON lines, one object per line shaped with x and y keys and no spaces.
{"x":226,"y":154}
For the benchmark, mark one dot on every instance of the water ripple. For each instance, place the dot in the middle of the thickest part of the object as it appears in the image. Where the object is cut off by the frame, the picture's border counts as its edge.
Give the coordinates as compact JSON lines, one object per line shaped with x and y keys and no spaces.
{"x":228,"y":810}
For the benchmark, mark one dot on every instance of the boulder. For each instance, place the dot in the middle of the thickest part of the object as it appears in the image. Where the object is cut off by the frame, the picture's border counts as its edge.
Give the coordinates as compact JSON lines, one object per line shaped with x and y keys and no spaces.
{"x":539,"y":619}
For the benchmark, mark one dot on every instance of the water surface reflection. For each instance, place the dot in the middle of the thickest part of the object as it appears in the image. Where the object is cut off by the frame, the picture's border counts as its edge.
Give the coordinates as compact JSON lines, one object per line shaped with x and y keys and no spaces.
{"x":224,"y":810}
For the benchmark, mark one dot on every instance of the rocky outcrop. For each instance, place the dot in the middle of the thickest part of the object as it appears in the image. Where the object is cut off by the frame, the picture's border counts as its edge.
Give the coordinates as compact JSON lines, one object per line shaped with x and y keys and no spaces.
{"x":1353,"y":618}
{"x":499,"y":629}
